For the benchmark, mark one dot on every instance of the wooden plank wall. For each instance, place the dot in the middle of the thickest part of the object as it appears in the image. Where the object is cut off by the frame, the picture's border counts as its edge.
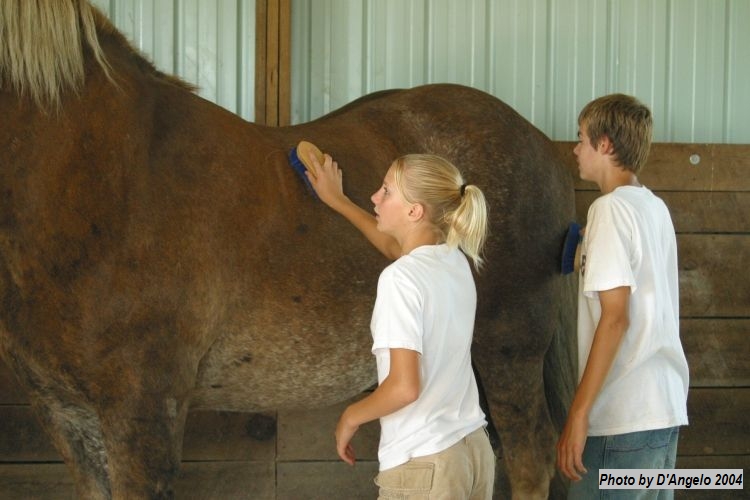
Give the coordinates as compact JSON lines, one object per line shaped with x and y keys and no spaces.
{"x":709,"y":198}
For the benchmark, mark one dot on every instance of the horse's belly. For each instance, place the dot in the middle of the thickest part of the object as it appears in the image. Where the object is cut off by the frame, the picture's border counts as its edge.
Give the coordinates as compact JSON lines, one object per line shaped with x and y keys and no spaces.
{"x":291,"y":364}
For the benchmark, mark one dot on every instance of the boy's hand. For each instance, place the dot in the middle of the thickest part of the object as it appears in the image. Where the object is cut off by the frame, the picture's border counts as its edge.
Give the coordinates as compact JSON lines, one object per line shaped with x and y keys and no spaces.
{"x":570,"y":447}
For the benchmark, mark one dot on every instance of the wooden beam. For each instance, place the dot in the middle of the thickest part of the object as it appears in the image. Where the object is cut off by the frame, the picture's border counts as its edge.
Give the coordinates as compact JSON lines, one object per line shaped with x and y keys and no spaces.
{"x":714,"y":351}
{"x":285,"y":62}
{"x":718,"y":423}
{"x":272,"y":62}
{"x":260,"y":61}
{"x":692,"y":211}
{"x":683,"y":167}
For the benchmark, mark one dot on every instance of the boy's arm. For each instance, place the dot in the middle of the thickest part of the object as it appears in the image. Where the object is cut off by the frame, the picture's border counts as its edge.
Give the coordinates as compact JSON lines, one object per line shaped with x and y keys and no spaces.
{"x":328,"y":185}
{"x":400,"y":388}
{"x":609,"y":333}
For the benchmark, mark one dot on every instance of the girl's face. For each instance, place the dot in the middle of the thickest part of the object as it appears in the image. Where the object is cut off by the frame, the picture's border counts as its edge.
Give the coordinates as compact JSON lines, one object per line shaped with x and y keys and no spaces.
{"x":391,"y":210}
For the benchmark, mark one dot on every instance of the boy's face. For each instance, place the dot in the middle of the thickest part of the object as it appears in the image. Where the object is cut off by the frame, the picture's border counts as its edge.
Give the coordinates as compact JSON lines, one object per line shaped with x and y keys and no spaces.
{"x":588,"y":156}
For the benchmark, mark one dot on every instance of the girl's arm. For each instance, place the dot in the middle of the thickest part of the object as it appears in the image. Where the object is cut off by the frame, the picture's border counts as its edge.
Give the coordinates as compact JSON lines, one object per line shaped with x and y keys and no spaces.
{"x":400,"y":388}
{"x":328,"y":185}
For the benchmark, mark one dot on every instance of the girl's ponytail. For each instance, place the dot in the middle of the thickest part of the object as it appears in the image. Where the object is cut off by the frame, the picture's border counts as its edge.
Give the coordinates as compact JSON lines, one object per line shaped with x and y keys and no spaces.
{"x":457,"y":210}
{"x":467,"y":224}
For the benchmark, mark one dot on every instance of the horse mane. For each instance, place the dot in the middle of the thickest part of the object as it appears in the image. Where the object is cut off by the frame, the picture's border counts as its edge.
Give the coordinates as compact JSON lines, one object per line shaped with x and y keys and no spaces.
{"x":43,"y":47}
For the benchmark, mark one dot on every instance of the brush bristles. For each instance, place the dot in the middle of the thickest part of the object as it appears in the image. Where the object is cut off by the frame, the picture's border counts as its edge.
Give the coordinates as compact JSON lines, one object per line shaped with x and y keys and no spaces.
{"x":572,"y":238}
{"x":300,"y":168}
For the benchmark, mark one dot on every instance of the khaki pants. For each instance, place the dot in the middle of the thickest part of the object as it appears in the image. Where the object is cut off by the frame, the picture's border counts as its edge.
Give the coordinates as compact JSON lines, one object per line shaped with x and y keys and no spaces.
{"x":464,"y":471}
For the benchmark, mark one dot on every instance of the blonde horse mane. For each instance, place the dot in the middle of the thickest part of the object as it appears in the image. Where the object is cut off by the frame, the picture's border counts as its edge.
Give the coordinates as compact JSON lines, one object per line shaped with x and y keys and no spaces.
{"x":43,"y":44}
{"x":42,"y":47}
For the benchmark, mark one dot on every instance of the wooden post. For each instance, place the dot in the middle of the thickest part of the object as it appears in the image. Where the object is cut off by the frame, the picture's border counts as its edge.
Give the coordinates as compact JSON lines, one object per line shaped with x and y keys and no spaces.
{"x":272,"y":62}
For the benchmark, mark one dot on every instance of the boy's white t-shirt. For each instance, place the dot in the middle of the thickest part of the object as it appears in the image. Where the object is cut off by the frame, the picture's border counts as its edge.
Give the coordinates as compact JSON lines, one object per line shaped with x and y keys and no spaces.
{"x":426,"y":302}
{"x":630,"y":241}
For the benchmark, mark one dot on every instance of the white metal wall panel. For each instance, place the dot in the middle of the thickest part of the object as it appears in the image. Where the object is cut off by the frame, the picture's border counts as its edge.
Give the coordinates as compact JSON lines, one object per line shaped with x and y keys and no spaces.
{"x":396,"y":61}
{"x":517,"y":36}
{"x":689,"y":60}
{"x":209,"y":43}
{"x":736,"y":103}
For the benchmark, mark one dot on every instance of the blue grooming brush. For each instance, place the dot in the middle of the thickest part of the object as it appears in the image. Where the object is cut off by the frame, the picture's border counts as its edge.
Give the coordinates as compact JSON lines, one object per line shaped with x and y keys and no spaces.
{"x":300,"y":162}
{"x":572,"y":239}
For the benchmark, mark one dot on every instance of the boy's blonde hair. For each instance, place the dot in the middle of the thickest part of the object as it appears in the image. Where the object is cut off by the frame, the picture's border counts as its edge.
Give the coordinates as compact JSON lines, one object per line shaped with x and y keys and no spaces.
{"x":626,"y":122}
{"x":457,"y":211}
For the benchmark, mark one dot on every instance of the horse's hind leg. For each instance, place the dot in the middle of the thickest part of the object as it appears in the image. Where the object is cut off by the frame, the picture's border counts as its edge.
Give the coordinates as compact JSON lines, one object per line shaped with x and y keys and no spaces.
{"x":143,"y":438}
{"x":75,"y":431}
{"x":124,"y":455}
{"x":73,"y":426}
{"x":515,"y":395}
{"x":526,"y":431}
{"x":143,"y":426}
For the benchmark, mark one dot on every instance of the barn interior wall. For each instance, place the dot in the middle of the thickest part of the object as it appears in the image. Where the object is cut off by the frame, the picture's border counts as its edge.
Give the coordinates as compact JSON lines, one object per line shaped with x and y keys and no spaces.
{"x":687,"y":59}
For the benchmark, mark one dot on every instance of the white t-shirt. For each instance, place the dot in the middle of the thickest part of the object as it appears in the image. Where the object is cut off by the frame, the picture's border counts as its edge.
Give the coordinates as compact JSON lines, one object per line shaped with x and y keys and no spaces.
{"x":426,"y":302}
{"x":630,"y":241}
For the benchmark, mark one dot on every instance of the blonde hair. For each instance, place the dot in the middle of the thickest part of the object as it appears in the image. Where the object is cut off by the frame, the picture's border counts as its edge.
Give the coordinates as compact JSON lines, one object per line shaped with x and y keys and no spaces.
{"x":626,"y":122}
{"x":41,"y":47}
{"x":457,"y":210}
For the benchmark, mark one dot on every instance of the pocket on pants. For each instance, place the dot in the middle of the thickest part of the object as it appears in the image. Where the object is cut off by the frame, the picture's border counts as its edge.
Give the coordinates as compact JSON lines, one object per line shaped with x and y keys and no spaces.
{"x":636,"y":441}
{"x":409,"y":478}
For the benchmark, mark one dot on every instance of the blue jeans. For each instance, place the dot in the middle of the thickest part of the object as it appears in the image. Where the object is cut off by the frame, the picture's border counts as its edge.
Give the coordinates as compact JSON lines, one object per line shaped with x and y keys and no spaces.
{"x":655,"y":449}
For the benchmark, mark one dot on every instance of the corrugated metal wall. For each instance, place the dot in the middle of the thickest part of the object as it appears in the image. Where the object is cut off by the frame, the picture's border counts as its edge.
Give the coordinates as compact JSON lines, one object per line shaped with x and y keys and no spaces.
{"x":689,"y":60}
{"x":210,"y":43}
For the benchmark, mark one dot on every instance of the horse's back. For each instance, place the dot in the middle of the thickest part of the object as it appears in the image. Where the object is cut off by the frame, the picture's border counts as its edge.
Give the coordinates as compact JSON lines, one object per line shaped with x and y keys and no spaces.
{"x":527,"y":186}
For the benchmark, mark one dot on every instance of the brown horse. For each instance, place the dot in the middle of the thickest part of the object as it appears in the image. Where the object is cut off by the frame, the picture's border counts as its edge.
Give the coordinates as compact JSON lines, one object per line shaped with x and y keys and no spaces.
{"x":158,"y":254}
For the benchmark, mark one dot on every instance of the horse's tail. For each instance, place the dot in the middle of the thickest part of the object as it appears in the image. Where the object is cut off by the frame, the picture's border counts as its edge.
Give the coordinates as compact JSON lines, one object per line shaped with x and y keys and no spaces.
{"x":42,"y":47}
{"x":561,"y":359}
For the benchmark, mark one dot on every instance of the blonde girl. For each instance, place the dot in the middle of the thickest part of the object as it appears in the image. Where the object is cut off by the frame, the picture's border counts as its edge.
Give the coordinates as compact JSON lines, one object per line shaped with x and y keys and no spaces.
{"x":428,"y":220}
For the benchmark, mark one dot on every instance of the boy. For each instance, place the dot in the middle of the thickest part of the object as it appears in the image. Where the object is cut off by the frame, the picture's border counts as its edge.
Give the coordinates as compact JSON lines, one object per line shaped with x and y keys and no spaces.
{"x":633,"y":375}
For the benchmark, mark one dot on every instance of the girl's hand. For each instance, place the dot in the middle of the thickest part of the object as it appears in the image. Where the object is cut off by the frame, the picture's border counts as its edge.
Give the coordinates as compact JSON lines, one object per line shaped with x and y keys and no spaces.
{"x":327,"y":183}
{"x":327,"y":180}
{"x":344,"y":434}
